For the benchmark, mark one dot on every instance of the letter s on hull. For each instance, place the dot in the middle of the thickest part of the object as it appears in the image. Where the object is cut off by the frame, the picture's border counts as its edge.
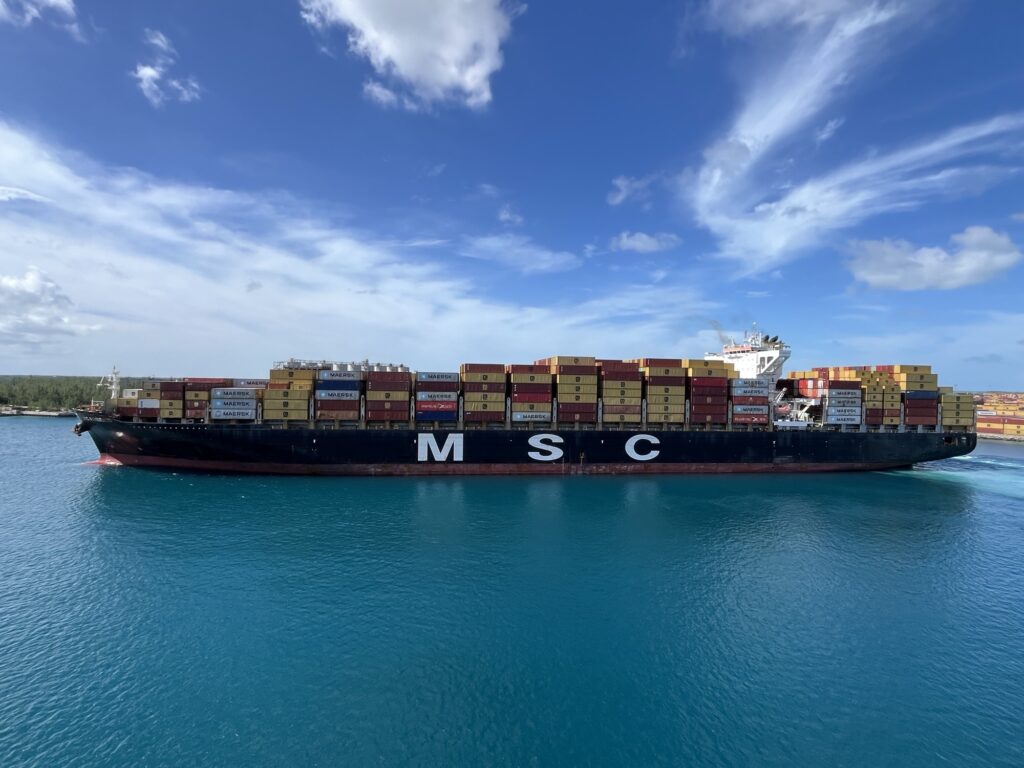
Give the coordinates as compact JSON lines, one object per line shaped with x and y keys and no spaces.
{"x":632,"y":452}
{"x":547,"y":452}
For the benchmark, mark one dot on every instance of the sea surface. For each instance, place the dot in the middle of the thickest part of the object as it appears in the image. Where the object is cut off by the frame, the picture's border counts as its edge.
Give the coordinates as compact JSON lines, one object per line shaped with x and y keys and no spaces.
{"x":151,"y":618}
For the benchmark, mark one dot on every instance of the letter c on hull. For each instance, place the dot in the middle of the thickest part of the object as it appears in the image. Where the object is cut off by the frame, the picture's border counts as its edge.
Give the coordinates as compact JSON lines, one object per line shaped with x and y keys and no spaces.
{"x":632,"y":452}
{"x":547,"y":452}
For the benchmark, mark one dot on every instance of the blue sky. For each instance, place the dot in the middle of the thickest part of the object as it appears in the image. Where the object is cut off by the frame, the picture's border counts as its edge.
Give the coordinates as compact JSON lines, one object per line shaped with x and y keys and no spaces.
{"x":204,"y":188}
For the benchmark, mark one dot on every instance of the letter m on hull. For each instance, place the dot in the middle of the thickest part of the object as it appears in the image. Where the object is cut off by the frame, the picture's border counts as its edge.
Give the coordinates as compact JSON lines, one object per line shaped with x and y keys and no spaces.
{"x":427,"y":448}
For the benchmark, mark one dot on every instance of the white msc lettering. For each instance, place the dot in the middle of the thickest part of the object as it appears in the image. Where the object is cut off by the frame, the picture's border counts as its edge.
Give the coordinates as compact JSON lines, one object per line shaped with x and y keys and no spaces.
{"x":426,"y":446}
{"x":631,"y":447}
{"x":546,"y":452}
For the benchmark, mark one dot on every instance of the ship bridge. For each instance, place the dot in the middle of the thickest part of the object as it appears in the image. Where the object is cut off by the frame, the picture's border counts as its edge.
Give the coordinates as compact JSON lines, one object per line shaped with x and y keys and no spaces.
{"x":759,"y":356}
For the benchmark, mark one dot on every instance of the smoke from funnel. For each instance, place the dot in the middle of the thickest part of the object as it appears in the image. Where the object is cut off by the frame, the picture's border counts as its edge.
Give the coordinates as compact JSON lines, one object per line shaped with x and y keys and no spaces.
{"x":722,"y":338}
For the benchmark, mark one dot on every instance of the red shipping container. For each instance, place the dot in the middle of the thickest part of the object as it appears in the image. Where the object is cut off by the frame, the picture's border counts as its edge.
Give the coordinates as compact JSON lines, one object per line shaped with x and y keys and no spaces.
{"x":707,"y":419}
{"x":743,"y":418}
{"x":868,"y":412}
{"x":839,"y":384}
{"x":128,"y":410}
{"x":716,"y":400}
{"x":713,"y":391}
{"x":660,"y":362}
{"x":487,"y":386}
{"x":708,"y":409}
{"x":619,"y":366}
{"x":277,"y":385}
{"x":337,"y":405}
{"x":437,"y":386}
{"x":199,"y":386}
{"x":667,"y":381}
{"x":884,"y":368}
{"x":533,"y":389}
{"x":395,"y":377}
{"x":149,"y":412}
{"x":441,"y":406}
{"x":873,"y":421}
{"x":918,"y":411}
{"x":531,"y":397}
{"x":527,"y":368}
{"x":575,"y":370}
{"x":483,"y":416}
{"x":609,"y":409}
{"x":915,"y":421}
{"x":620,"y":375}
{"x":172,"y":393}
{"x":709,"y":381}
{"x":576,"y":408}
{"x":482,"y":368}
{"x":749,"y":400}
{"x":389,"y":386}
{"x":582,"y":417}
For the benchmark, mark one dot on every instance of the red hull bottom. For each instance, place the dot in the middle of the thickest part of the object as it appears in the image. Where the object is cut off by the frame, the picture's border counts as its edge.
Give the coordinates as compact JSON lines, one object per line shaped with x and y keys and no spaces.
{"x":448,"y":469}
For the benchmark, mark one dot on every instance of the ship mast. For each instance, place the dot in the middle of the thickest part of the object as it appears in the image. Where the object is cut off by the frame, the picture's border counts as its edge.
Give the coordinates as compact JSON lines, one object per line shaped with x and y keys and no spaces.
{"x":111,"y":382}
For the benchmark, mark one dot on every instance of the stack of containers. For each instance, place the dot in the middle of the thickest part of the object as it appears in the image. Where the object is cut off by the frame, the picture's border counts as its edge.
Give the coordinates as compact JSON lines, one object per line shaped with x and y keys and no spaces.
{"x":708,"y":390}
{"x":388,"y":395}
{"x":575,"y":387}
{"x":484,"y":388}
{"x":620,"y":386}
{"x":232,"y":403}
{"x":287,"y":395}
{"x":149,"y":400}
{"x":881,"y":398}
{"x":531,"y":393}
{"x":197,"y":396}
{"x":749,"y":401}
{"x":843,"y":403}
{"x":920,"y":389}
{"x":437,"y":396}
{"x":128,"y":403}
{"x":957,"y":409}
{"x":666,"y":389}
{"x":336,"y":395}
{"x":172,"y":399}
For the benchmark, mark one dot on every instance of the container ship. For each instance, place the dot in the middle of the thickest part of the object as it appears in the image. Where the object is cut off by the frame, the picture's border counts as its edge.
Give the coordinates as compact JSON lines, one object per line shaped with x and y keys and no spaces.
{"x":731,"y":411}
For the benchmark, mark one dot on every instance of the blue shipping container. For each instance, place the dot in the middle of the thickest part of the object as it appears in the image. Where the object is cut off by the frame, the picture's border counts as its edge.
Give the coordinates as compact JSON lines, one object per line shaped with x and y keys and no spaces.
{"x":922,"y":395}
{"x":437,"y":416}
{"x":352,"y":386}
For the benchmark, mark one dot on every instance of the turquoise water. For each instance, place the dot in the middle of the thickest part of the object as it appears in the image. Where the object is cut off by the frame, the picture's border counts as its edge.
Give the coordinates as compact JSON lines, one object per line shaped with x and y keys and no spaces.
{"x":843,"y":620}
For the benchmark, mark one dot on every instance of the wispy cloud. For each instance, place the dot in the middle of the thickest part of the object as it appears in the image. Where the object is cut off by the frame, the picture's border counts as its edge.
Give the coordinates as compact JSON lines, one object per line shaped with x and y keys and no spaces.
{"x":35,"y":311}
{"x":641,"y":242}
{"x":520,"y":253}
{"x":979,"y":254}
{"x":425,"y":52}
{"x":22,"y":13}
{"x":508,"y":215}
{"x":828,"y":130}
{"x":153,"y":77}
{"x":763,"y":223}
{"x":625,"y":188}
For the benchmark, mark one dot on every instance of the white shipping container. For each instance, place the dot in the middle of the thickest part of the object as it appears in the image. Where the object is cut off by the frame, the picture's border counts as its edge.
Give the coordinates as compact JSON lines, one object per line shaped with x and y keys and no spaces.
{"x":132,"y":393}
{"x":341,"y":375}
{"x":842,"y":420}
{"x":833,"y":411}
{"x":234,"y":392}
{"x":842,"y":402}
{"x":750,"y":410}
{"x":234,"y":403}
{"x":740,"y":383}
{"x":336,"y":394}
{"x":233,"y":413}
{"x":436,"y":376}
{"x":146,"y":402}
{"x":750,"y":392}
{"x":445,"y":397}
{"x":531,"y":416}
{"x":252,"y":383}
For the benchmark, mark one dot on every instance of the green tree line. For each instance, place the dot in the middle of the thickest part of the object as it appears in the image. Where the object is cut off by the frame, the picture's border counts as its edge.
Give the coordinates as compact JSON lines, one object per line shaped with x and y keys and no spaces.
{"x":51,"y":393}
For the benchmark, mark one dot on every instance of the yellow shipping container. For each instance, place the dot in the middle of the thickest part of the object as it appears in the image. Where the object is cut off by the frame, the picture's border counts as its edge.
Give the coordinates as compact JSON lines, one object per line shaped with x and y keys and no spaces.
{"x":687,"y":362}
{"x":149,"y":394}
{"x":273,"y":395}
{"x":572,"y":360}
{"x":483,"y":397}
{"x":491,"y":377}
{"x":292,"y":374}
{"x":911,"y":369}
{"x":708,"y":373}
{"x":171,"y":404}
{"x":584,"y":397}
{"x":621,"y":418}
{"x":577,"y":389}
{"x":285,"y":413}
{"x":665,"y":418}
{"x":565,"y":378}
{"x":667,"y":400}
{"x":663,"y":371}
{"x":621,"y":400}
{"x":531,"y":378}
{"x":891,"y":421}
{"x":923,"y":378}
{"x":475,"y":405}
{"x":127,"y":402}
{"x":608,"y":393}
{"x":531,"y":407}
{"x":617,"y":384}
{"x":301,"y":386}
{"x":171,"y":413}
{"x":191,"y":395}
{"x":917,"y":386}
{"x":388,"y":394}
{"x":948,"y":421}
{"x":660,"y":390}
{"x":956,"y":397}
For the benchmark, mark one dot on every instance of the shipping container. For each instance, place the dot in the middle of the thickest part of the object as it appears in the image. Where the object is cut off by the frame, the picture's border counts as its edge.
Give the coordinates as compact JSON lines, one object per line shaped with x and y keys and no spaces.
{"x":250,"y":383}
{"x":233,"y":392}
{"x":343,"y":386}
{"x":517,"y":369}
{"x":337,"y":394}
{"x":563,"y":360}
{"x":619,"y":392}
{"x":438,"y":407}
{"x":619,"y":378}
{"x":748,"y":392}
{"x":477,"y":416}
{"x":708,"y":399}
{"x":233,"y":413}
{"x":438,"y":386}
{"x":448,"y":416}
{"x":437,"y":396}
{"x":749,"y":419}
{"x":670,"y":400}
{"x":292,"y":374}
{"x":622,"y":418}
{"x":746,"y":400}
{"x":670,"y":390}
{"x":530,"y":397}
{"x":234,"y":403}
{"x":750,"y":410}
{"x":448,"y":377}
{"x":488,"y":386}
{"x":665,"y":418}
{"x":666,"y":381}
{"x":337,"y":405}
{"x":576,"y":408}
{"x":485,"y":377}
{"x":484,"y":397}
{"x":396,"y":395}
{"x":535,"y":389}
{"x":614,"y":409}
{"x":530,"y":378}
{"x":531,"y":408}
{"x":474,"y":368}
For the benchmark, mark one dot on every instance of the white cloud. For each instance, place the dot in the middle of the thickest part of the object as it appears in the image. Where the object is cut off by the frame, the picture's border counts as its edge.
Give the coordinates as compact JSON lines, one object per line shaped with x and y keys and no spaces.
{"x":828,"y":130}
{"x":643,"y":243}
{"x":626,"y":187}
{"x":380,"y":94}
{"x":1018,"y":216}
{"x":34,"y":311}
{"x":508,"y":215}
{"x":737,"y":195}
{"x":426,"y":52}
{"x":23,"y":12}
{"x":519,"y":252}
{"x":488,"y":190}
{"x":7,"y":194}
{"x":979,"y":255}
{"x":245,"y":278}
{"x":152,"y":77}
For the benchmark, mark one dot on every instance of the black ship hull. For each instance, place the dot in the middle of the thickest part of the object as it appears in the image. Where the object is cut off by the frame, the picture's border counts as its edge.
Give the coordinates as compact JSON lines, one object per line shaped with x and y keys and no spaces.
{"x":262,"y":449}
